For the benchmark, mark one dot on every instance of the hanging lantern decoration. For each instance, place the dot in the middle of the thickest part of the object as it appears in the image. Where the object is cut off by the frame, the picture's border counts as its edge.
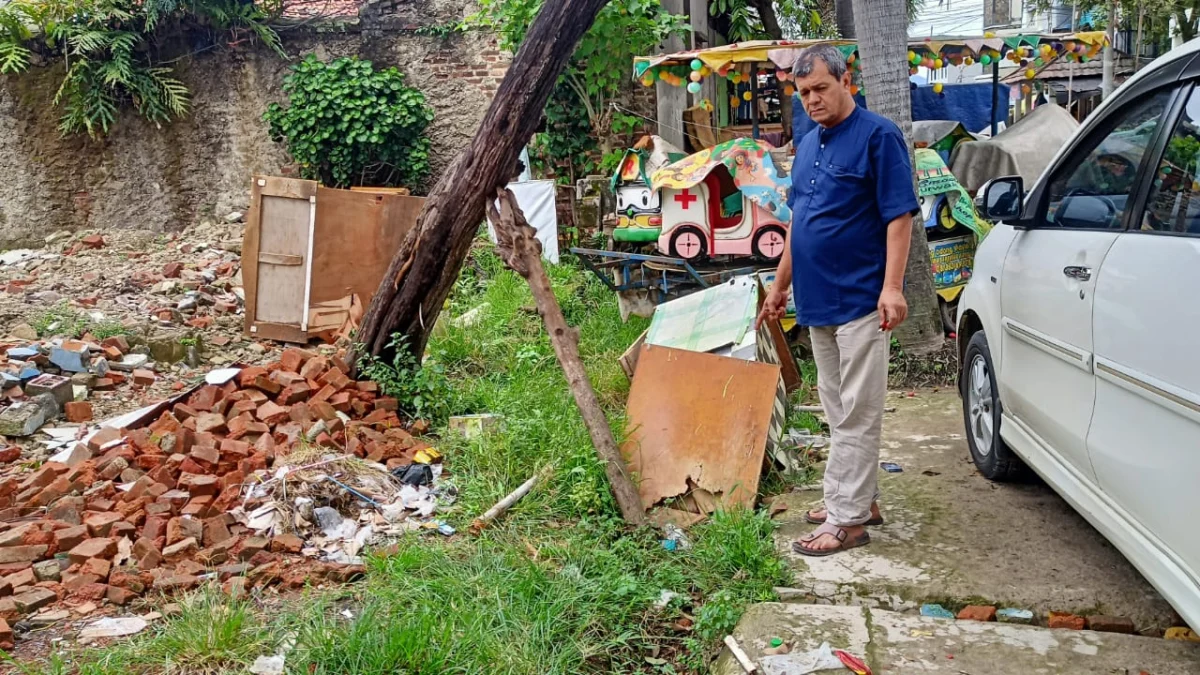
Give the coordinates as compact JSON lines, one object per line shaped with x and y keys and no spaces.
{"x":647,"y":80}
{"x":697,"y":64}
{"x":851,"y":59}
{"x":734,"y":102}
{"x":695,"y":76}
{"x":854,"y":90}
{"x":913,"y":58}
{"x":1025,"y":89}
{"x":693,"y":87}
{"x":938,"y":64}
{"x":1030,"y":74}
{"x":985,"y":59}
{"x":746,"y":96}
{"x":989,"y":34}
{"x":912,"y":71}
{"x":788,"y":90}
{"x":967,"y":60}
{"x":937,"y":88}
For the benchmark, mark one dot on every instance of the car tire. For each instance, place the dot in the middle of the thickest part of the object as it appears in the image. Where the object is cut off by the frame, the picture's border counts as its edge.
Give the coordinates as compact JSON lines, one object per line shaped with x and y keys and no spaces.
{"x":981,"y":414}
{"x":689,"y":243}
{"x":771,"y":237}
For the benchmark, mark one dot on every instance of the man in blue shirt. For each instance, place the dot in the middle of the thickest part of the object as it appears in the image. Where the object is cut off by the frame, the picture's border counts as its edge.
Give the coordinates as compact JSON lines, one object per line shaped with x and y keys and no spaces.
{"x":852,"y":203}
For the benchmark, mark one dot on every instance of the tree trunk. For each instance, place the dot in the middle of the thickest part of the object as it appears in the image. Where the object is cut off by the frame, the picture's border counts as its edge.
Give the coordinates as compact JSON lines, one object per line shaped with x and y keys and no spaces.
{"x":424,"y":270}
{"x":884,"y":27}
{"x":1106,"y":74}
{"x":517,"y":244}
{"x":845,"y":19}
{"x":770,"y":22}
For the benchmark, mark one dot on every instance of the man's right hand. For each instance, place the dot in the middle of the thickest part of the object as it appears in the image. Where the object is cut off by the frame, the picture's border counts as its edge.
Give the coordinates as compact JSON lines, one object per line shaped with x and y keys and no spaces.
{"x":773,"y":307}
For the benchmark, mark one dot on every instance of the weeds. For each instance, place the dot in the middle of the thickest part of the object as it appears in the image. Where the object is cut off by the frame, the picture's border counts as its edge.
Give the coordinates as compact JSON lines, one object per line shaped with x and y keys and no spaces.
{"x":63,"y":319}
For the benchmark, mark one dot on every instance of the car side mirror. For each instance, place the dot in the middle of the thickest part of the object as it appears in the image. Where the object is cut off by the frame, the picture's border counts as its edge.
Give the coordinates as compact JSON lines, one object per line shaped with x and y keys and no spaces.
{"x":1001,"y":199}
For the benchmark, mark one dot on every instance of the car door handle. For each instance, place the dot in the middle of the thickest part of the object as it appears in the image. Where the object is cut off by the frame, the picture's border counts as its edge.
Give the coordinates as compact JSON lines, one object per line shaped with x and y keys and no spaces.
{"x":1077,"y":272}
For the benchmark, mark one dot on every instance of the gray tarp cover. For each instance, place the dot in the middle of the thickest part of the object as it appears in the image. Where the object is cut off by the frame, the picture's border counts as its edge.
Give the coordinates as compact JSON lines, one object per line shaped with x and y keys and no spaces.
{"x":1024,"y":149}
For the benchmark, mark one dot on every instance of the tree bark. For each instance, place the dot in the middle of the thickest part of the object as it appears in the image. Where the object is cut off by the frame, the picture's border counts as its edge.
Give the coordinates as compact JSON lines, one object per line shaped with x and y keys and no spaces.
{"x":845,"y":19}
{"x":883,"y":47}
{"x":520,"y":249}
{"x":1106,"y":74}
{"x":423,"y":271}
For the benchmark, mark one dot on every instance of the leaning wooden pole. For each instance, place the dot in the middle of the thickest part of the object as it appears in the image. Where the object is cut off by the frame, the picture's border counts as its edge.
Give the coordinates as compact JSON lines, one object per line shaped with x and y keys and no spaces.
{"x":422,"y":273}
{"x":523,"y":253}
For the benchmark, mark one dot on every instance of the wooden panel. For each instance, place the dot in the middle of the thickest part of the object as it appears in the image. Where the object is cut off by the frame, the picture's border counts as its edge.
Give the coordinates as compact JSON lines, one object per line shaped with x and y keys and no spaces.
{"x":277,"y":331}
{"x":280,"y":259}
{"x":261,"y":186}
{"x":356,"y":235}
{"x":698,"y":421}
{"x":283,"y":231}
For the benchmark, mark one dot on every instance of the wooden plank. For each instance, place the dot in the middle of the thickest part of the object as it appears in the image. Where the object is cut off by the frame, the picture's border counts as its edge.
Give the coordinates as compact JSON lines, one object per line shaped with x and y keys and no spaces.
{"x":276,"y":331}
{"x":698,"y":421}
{"x":383,"y":190}
{"x":250,"y":241}
{"x":280,"y":259}
{"x":355,"y":236}
{"x":288,"y":188}
{"x":283,"y":231}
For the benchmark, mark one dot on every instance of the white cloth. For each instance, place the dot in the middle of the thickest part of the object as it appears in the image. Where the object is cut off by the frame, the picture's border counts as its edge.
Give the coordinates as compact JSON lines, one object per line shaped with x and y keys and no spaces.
{"x":536,"y":200}
{"x":852,"y":370}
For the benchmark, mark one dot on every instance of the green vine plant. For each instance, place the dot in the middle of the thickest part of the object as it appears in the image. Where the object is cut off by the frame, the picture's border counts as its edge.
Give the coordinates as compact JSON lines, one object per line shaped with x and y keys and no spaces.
{"x":109,"y":51}
{"x":348,"y":124}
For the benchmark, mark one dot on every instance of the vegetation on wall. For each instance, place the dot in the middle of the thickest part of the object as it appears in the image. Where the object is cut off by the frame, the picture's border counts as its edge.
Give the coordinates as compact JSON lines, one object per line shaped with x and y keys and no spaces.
{"x":347,"y":123}
{"x":109,"y":50}
{"x":599,"y":72}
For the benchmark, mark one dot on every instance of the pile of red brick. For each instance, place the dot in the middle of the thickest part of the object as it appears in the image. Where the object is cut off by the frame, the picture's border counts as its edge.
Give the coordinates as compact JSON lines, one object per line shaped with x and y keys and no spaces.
{"x":148,"y":508}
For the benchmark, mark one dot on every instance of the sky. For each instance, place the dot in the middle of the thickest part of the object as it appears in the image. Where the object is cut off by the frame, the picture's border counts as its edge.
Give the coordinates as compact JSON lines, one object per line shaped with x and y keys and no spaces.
{"x":949,"y":17}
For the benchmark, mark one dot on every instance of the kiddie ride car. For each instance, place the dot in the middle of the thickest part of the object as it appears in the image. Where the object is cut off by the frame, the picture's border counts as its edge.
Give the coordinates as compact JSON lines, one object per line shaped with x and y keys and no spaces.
{"x":727,"y":200}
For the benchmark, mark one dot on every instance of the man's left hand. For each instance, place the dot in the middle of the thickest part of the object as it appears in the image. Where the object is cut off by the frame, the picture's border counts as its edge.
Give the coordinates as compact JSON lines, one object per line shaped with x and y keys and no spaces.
{"x":893,"y":308}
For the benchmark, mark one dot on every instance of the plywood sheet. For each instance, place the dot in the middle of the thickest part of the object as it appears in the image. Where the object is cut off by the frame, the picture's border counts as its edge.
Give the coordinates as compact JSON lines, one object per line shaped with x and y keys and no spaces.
{"x":356,"y":235}
{"x":282,"y":237}
{"x":698,"y":421}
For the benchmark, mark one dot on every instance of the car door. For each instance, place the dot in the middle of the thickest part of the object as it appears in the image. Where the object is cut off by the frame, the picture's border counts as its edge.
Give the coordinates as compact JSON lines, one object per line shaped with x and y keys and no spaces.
{"x":1145,"y":434}
{"x":1050,"y":272}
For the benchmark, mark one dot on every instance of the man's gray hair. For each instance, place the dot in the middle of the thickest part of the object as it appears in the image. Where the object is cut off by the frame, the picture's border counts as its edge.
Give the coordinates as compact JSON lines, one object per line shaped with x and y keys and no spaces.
{"x":832,"y":56}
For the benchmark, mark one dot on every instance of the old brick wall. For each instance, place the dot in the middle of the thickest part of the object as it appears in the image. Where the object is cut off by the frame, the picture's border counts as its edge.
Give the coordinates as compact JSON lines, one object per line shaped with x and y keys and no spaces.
{"x":166,"y":178}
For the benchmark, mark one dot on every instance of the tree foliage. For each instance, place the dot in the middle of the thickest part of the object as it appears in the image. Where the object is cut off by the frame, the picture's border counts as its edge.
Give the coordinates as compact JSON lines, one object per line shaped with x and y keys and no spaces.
{"x":1156,"y":15}
{"x":600,"y":69}
{"x":109,"y":50}
{"x":349,"y":124}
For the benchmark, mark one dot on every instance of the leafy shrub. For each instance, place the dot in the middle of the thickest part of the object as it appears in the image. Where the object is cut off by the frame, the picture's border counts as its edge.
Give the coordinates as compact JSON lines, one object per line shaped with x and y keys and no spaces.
{"x":422,"y":389}
{"x":349,"y":124}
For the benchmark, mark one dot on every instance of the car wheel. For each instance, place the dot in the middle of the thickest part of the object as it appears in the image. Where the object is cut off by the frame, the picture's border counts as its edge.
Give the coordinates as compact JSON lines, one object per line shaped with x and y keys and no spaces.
{"x":981,"y":414}
{"x":688,"y":243}
{"x":769,"y":243}
{"x":948,"y":310}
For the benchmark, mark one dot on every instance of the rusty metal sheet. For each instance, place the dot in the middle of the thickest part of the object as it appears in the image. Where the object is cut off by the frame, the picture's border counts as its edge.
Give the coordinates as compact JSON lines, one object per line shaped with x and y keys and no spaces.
{"x":698,"y":421}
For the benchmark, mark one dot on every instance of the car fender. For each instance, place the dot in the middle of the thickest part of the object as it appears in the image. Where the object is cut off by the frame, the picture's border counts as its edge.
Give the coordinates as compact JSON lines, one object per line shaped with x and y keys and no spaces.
{"x":979,"y":305}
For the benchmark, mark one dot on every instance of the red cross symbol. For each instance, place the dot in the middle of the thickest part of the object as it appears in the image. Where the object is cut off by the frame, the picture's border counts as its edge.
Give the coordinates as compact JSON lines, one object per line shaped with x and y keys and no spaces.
{"x":685,"y":198}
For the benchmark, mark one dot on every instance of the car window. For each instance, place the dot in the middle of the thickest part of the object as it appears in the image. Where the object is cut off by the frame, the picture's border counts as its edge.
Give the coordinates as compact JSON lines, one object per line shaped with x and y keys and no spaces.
{"x":1093,"y":193}
{"x":1174,"y":202}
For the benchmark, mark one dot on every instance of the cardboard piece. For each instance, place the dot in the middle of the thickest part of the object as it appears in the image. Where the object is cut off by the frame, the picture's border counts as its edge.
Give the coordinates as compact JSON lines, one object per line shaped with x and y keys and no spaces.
{"x":698,"y":421}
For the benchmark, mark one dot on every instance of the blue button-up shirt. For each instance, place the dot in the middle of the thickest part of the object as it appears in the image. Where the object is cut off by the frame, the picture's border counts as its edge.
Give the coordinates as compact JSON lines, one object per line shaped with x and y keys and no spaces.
{"x":848,"y":183}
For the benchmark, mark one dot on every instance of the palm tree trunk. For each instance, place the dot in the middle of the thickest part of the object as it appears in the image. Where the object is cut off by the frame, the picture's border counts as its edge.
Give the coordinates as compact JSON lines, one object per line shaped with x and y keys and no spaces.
{"x":845,"y":18}
{"x":770,"y":22}
{"x":884,"y":27}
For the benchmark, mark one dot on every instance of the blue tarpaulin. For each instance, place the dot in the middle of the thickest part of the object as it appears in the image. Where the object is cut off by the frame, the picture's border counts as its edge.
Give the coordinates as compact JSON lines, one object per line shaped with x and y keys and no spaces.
{"x":970,"y":104}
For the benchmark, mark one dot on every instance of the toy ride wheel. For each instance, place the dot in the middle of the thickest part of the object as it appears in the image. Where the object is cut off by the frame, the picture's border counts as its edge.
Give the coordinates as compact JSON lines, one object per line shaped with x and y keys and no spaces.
{"x":688,"y":243}
{"x":769,"y":242}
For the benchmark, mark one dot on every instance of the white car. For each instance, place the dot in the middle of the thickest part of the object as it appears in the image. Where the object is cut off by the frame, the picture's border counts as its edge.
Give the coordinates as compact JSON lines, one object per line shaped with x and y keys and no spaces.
{"x":1079,"y":333}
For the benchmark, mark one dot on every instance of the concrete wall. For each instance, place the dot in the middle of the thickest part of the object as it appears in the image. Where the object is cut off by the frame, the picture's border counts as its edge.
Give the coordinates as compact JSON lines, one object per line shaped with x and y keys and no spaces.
{"x":166,"y":178}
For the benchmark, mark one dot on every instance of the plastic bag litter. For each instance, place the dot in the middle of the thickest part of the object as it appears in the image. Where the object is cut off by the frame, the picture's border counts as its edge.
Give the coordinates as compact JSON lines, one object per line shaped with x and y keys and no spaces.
{"x":800,"y":663}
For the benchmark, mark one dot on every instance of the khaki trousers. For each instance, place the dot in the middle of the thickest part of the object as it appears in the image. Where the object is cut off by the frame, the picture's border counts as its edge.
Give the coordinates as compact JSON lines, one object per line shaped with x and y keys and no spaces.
{"x":852,"y":370}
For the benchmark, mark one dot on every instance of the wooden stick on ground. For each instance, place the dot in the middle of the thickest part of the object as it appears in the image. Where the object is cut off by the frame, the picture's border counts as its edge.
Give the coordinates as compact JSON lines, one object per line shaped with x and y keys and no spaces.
{"x":523,"y":253}
{"x":505,"y":504}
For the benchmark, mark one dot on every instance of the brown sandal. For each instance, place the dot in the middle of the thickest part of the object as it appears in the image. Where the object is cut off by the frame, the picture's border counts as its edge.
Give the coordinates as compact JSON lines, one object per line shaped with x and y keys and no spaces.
{"x":837,"y":532}
{"x":810,"y":518}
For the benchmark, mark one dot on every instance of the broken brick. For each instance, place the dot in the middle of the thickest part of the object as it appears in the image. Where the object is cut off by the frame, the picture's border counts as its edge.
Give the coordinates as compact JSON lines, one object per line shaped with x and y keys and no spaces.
{"x":78,"y":411}
{"x":93,"y":548}
{"x":143,"y":377}
{"x":286,"y":543}
{"x":120,"y":596}
{"x":1066,"y":620}
{"x":272,"y":413}
{"x":977,"y":613}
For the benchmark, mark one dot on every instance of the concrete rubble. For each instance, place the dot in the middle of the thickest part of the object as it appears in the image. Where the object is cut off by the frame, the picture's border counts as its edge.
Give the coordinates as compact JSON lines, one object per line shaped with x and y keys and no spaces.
{"x":278,"y":474}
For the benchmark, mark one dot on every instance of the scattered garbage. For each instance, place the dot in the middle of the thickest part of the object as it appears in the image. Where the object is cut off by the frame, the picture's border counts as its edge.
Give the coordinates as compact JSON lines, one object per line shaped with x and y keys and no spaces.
{"x":268,"y":665}
{"x":664,"y":599}
{"x":738,"y":653}
{"x":675,"y":538}
{"x":414,"y":474}
{"x":852,"y":662}
{"x":1014,"y":615}
{"x":801,"y":663}
{"x":806,"y":439}
{"x":936,"y":611}
{"x":891,"y":467}
{"x":474,"y":426}
{"x":1182,"y":633}
{"x":110,"y":627}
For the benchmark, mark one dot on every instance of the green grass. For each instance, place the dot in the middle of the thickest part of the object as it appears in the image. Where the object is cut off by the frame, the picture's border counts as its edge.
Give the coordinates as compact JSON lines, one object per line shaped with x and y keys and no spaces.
{"x":559,"y":584}
{"x":63,"y":319}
